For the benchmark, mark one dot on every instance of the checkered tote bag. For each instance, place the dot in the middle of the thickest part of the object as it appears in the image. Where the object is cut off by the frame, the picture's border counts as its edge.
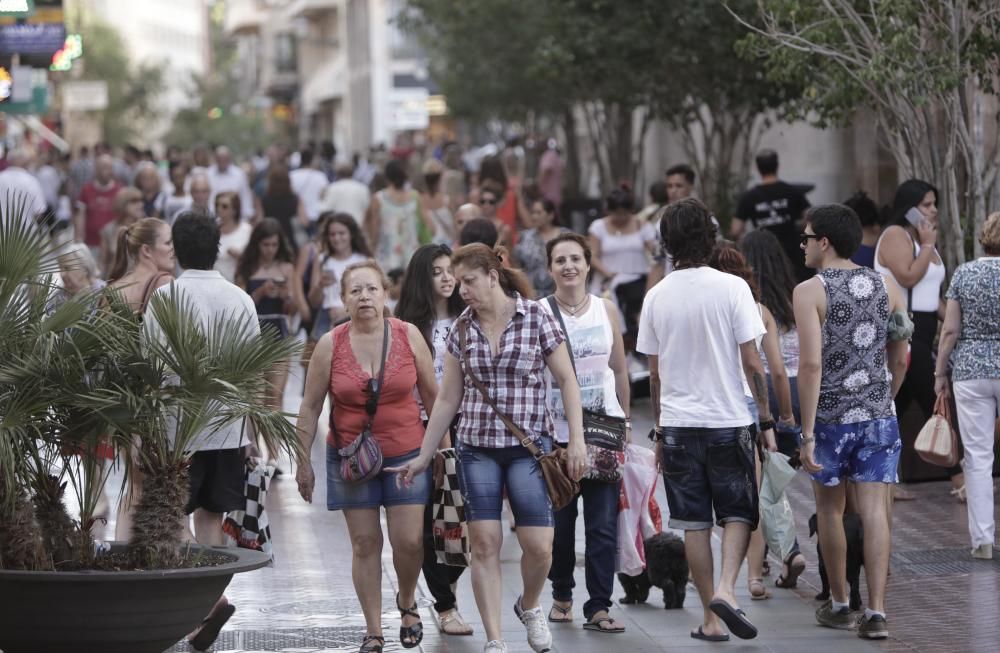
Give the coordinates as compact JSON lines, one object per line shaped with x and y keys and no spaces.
{"x":451,"y":530}
{"x":249,"y":528}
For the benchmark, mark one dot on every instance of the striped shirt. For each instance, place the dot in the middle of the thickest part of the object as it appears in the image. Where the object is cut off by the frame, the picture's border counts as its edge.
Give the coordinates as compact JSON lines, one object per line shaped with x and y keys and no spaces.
{"x":515,"y":378}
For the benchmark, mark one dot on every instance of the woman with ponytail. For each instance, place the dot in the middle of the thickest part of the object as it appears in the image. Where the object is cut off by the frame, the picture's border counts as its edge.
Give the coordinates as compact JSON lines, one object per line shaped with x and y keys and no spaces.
{"x":506,"y":342}
{"x":620,"y":243}
{"x":144,"y":261}
{"x":128,"y":211}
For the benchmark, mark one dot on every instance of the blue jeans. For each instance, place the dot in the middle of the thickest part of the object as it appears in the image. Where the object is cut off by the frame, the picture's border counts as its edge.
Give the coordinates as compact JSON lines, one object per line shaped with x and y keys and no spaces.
{"x":709,"y":470}
{"x":484,"y":473}
{"x":378,"y":491}
{"x":600,"y":521}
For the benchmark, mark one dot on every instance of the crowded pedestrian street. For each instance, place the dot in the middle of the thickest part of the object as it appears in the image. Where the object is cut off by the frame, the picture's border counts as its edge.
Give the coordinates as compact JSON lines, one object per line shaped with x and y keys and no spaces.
{"x":561,"y":326}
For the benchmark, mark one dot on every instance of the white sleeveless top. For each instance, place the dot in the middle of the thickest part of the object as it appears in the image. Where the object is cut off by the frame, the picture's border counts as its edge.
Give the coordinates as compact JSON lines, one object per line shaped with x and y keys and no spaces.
{"x":591,"y":336}
{"x":927,"y":292}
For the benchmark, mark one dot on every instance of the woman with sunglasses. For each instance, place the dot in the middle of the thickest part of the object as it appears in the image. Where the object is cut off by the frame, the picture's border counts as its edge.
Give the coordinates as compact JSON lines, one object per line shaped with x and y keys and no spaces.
{"x":346,"y":366}
{"x":234,"y":234}
{"x":341,"y":245}
{"x":490,"y":197}
{"x":428,"y":301}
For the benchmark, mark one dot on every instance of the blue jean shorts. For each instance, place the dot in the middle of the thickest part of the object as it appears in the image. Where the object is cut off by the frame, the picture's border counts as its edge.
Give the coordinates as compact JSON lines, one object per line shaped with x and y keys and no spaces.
{"x":709,"y":472}
{"x":378,"y":491}
{"x":864,"y":452}
{"x":484,"y":473}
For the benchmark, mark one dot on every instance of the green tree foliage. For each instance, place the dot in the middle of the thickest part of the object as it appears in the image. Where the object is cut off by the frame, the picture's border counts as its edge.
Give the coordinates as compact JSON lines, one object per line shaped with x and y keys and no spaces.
{"x":608,"y":68}
{"x":133,"y":90}
{"x":927,"y":68}
{"x":221,"y":113}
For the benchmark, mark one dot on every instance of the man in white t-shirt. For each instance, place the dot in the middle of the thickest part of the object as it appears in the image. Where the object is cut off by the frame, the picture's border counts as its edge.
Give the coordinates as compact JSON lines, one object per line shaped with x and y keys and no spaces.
{"x":347,"y":195}
{"x":225,"y":177}
{"x":20,"y":190}
{"x":217,"y":468}
{"x":699,"y":328}
{"x":308,"y":182}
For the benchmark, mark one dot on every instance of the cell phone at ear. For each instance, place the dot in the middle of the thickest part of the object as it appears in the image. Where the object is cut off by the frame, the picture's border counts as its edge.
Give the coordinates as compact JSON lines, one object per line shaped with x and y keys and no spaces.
{"x":915,"y":217}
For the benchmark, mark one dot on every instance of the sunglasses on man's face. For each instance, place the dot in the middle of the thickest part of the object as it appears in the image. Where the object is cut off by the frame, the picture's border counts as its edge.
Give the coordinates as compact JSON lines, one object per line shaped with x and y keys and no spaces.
{"x":804,"y":238}
{"x":223,"y":206}
{"x":487,"y":200}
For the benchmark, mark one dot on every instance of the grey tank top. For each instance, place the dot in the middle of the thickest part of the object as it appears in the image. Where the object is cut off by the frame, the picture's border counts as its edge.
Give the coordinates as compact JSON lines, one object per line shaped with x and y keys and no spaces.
{"x":855,"y":385}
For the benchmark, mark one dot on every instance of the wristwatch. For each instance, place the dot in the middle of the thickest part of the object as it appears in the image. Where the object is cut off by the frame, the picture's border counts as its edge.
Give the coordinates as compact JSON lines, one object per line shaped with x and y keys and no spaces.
{"x":765,"y":425}
{"x":807,"y":439}
{"x":628,"y":422}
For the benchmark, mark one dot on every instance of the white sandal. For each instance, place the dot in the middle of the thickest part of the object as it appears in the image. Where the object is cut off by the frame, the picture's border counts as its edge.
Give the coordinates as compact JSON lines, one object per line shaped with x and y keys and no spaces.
{"x":452,"y":617}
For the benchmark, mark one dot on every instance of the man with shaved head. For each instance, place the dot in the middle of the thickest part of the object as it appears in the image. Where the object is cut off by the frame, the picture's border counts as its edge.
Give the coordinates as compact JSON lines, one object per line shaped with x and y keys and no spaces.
{"x":96,"y":206}
{"x":224,"y":177}
{"x":201,"y":194}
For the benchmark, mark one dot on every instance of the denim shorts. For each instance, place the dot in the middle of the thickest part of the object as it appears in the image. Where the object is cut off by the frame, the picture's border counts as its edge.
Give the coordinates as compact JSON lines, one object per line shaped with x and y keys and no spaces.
{"x":484,"y":473}
{"x":378,"y":491}
{"x":864,"y":452}
{"x":706,"y":470}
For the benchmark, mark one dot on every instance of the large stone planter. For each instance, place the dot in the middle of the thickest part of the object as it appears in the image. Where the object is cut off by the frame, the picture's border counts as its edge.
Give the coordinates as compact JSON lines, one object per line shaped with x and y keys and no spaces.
{"x":111,"y":611}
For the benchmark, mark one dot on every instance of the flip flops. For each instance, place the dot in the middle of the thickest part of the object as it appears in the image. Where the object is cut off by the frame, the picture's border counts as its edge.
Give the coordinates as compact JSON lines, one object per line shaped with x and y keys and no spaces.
{"x":598,"y":626}
{"x":560,"y":615}
{"x":700,"y":634}
{"x":211,"y":627}
{"x":734,"y":618}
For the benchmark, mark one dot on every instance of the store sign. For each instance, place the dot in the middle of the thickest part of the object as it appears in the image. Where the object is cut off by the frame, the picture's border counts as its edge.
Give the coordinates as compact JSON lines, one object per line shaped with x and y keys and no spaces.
{"x":71,"y":51}
{"x":43,"y":38}
{"x":17,"y":8}
{"x":408,"y":109}
{"x":89,"y":95}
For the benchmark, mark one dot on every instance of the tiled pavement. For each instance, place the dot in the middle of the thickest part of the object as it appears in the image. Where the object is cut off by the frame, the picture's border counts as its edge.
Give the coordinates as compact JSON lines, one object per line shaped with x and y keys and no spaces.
{"x":939,"y":599}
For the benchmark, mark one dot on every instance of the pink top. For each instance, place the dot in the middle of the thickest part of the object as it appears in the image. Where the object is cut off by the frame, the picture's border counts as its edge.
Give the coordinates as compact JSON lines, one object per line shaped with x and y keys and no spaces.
{"x":397,"y":426}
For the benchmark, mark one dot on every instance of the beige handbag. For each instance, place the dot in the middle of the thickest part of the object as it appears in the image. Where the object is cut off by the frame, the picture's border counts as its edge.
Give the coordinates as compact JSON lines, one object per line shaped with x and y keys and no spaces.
{"x":937,"y":442}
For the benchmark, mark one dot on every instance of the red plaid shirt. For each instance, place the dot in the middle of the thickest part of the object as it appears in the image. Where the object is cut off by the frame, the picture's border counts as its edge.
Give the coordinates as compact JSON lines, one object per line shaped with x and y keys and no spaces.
{"x":515,"y":378}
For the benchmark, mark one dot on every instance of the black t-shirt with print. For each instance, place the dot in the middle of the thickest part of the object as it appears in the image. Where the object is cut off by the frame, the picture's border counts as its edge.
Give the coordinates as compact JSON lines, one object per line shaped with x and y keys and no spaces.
{"x":777,"y":207}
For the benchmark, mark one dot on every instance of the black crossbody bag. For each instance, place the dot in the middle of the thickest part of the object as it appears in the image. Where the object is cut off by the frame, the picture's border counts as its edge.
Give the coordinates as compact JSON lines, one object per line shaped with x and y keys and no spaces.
{"x":604,"y":435}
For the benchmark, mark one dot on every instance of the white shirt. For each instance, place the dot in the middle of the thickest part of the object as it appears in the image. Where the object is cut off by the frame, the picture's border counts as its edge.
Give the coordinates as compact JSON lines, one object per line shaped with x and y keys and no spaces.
{"x":233,"y":180}
{"x":19,"y":187}
{"x":50,"y":180}
{"x":336,"y":267}
{"x":308,"y":184}
{"x":238,"y":240}
{"x":211,"y":296}
{"x":347,"y":196}
{"x":695,"y":320}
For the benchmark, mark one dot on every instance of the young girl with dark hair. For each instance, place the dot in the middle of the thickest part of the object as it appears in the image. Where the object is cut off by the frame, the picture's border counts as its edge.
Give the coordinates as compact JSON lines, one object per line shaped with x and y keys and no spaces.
{"x":341,"y":244}
{"x":429,"y":301}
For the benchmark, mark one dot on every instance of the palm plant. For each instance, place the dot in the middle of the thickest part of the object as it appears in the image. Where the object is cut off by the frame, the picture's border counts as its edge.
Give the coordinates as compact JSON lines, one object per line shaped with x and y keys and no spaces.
{"x":89,"y":371}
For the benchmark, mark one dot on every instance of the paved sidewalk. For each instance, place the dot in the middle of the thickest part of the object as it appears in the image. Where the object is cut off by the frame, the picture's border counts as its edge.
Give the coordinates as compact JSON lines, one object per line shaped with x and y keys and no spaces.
{"x":939,"y":599}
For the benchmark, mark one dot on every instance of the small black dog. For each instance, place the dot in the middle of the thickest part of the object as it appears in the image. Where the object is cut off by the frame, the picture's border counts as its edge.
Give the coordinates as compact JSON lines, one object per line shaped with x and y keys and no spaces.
{"x":666,"y":568}
{"x":855,"y":534}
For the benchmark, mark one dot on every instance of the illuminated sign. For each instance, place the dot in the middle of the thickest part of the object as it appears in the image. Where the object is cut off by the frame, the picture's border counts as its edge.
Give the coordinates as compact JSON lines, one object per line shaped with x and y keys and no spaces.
{"x":43,"y":38}
{"x":6,"y":84}
{"x":18,"y":8}
{"x":72,"y":49}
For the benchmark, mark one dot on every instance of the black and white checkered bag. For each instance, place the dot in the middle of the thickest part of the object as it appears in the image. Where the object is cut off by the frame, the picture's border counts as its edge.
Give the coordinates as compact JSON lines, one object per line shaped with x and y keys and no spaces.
{"x":451,"y":530}
{"x":249,"y":528}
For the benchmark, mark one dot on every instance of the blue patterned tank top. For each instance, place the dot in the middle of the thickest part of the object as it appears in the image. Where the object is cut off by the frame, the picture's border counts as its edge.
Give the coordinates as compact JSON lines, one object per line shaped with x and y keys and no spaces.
{"x":855,"y":385}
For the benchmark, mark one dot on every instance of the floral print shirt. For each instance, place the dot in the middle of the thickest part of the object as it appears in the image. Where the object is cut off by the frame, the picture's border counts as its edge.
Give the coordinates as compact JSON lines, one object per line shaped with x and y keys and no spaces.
{"x":976,"y":287}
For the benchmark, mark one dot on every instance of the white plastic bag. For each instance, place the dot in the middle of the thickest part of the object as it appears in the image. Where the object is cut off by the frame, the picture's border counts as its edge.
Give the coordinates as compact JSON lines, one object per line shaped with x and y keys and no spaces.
{"x":776,"y":519}
{"x":634,"y":520}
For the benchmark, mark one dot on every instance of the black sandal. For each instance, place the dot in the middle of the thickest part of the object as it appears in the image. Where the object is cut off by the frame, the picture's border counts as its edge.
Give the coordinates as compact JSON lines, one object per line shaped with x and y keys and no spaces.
{"x":794,"y":571}
{"x":410,"y":636}
{"x":372,"y":644}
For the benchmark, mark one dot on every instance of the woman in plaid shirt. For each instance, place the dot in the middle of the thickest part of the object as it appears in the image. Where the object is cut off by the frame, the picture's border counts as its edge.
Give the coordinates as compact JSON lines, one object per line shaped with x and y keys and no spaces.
{"x":510,"y":341}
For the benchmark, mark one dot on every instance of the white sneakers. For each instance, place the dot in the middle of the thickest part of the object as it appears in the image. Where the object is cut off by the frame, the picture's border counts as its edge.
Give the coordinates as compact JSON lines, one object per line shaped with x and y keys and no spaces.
{"x":539,"y":637}
{"x":983,"y":552}
{"x":495,"y":646}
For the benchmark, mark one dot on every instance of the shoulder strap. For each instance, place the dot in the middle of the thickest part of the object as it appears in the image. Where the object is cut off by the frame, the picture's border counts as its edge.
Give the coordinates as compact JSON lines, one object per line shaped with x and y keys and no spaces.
{"x":562,"y":323}
{"x":147,"y":292}
{"x":526,"y":442}
{"x":373,"y":406}
{"x":333,"y":357}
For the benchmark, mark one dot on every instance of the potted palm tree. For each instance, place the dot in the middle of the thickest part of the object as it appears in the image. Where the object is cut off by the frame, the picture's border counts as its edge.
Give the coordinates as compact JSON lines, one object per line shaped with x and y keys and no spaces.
{"x":82,"y":374}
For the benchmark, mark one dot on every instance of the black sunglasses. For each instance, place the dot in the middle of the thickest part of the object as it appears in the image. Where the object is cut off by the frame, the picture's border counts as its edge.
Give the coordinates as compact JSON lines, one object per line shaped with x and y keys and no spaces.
{"x":372,"y":402}
{"x":486,"y":201}
{"x":804,"y":238}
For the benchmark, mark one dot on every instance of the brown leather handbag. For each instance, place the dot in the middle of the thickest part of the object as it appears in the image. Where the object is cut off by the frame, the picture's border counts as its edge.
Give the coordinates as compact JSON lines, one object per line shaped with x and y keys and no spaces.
{"x":561,"y":486}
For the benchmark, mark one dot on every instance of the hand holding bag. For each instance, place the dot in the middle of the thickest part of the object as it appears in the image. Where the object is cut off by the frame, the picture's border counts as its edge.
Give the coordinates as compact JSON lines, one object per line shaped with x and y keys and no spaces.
{"x":361,"y":460}
{"x":561,"y":487}
{"x":937,"y":442}
{"x":776,"y":518}
{"x":604,"y":435}
{"x":450,"y":528}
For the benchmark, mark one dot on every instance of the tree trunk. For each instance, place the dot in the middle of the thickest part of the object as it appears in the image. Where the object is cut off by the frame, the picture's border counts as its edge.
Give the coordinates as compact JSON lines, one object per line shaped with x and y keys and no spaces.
{"x":159,"y":516}
{"x":66,"y":541}
{"x":571,"y":180}
{"x":21,"y":545}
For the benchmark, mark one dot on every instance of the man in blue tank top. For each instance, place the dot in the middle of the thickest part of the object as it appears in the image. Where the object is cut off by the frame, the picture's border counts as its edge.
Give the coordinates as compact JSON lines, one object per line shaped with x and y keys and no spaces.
{"x":853,"y":331}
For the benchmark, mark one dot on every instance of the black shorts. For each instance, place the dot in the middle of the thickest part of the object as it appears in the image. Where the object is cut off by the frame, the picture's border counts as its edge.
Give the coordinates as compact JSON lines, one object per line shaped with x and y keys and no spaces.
{"x":708,"y":471}
{"x":217,"y":477}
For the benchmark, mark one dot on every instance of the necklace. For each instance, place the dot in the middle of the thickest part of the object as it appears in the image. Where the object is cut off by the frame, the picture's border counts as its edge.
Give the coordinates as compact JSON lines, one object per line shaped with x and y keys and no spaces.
{"x":497,"y":328}
{"x":573,"y":309}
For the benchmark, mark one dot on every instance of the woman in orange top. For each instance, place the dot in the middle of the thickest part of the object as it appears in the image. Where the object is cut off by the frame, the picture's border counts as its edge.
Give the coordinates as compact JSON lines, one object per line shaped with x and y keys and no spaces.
{"x":346,"y":365}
